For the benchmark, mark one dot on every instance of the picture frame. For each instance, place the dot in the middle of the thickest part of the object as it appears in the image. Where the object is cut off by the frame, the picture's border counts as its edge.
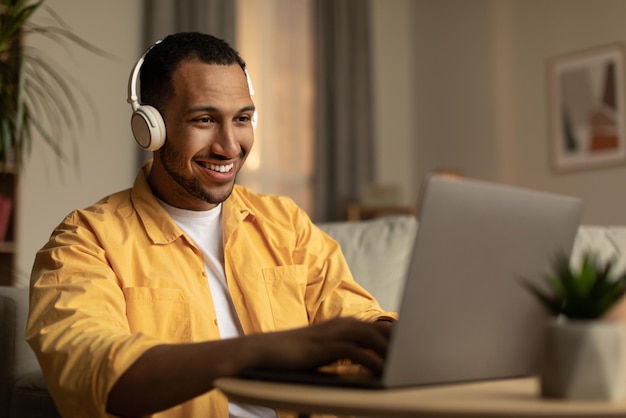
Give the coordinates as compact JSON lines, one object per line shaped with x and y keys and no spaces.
{"x":586,"y":106}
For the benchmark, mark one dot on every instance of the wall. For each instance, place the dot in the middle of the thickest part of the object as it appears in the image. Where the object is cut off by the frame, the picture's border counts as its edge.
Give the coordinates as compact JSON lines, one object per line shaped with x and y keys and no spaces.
{"x":452,"y":64}
{"x":392,"y":46}
{"x":434,"y":80}
{"x":106,"y":148}
{"x":542,"y":30}
{"x":478,"y":87}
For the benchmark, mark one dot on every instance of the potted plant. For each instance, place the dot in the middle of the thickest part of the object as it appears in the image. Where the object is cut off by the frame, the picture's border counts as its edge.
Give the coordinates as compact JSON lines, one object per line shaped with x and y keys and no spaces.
{"x":41,"y":106}
{"x":584,"y":351}
{"x":34,"y":95}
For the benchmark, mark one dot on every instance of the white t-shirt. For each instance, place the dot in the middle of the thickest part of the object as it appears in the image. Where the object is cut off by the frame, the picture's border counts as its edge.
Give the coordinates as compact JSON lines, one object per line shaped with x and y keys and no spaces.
{"x":205,"y":230}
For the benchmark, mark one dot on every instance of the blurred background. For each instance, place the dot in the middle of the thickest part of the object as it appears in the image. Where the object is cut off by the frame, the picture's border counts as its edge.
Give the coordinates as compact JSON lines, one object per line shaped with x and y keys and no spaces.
{"x":460,"y":86}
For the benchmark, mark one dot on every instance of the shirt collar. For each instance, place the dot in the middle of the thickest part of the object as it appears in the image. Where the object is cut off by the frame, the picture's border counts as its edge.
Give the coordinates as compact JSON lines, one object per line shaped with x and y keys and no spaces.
{"x":159,"y":225}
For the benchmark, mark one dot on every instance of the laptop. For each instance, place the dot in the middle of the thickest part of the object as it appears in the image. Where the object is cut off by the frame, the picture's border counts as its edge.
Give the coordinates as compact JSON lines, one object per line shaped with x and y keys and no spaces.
{"x":464,"y":314}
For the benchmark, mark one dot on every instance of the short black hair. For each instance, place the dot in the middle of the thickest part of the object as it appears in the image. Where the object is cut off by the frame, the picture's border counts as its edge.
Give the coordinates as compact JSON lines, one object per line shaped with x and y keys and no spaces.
{"x":164,"y":57}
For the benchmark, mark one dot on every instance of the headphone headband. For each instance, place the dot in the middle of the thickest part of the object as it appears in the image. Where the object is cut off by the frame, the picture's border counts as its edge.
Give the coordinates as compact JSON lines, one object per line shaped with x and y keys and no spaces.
{"x":133,"y":98}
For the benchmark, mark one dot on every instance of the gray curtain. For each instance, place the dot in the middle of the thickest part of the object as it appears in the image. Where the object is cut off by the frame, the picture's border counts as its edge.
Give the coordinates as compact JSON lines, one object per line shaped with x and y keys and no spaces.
{"x":215,"y":17}
{"x":344,"y":159}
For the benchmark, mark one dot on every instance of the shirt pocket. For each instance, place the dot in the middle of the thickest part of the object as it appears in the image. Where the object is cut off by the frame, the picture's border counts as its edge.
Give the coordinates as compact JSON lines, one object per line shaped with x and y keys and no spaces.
{"x":159,"y":312}
{"x":286,"y":290}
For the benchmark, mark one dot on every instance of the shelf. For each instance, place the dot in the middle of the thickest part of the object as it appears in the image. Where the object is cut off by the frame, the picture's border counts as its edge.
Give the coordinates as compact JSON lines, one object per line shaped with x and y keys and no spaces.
{"x":358,"y":212}
{"x":8,"y":212}
{"x":7,"y":247}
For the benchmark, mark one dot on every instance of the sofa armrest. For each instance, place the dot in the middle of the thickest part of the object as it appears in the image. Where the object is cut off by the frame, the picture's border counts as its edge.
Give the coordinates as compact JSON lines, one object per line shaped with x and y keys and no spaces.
{"x":8,"y":318}
{"x":16,"y":357}
{"x":605,"y":242}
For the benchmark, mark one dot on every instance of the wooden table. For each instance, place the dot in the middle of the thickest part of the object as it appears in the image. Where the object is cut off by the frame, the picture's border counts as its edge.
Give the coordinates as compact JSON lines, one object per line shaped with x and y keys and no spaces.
{"x":514,"y":398}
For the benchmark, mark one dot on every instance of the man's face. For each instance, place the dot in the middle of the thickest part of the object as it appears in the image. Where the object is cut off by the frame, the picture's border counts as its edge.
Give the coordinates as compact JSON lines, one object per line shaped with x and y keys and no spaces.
{"x":209,"y":135}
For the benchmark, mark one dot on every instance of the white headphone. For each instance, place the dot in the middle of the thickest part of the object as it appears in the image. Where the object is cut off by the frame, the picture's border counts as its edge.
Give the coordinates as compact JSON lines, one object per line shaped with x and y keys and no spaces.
{"x":146,"y":122}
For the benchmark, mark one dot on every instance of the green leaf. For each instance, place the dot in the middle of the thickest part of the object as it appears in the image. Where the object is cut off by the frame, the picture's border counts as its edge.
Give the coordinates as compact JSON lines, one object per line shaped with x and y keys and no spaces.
{"x":586,"y":293}
{"x":35,"y":96}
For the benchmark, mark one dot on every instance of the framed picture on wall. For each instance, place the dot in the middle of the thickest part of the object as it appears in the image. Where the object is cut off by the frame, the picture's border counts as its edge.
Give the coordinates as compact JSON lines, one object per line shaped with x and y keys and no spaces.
{"x":587,"y":126}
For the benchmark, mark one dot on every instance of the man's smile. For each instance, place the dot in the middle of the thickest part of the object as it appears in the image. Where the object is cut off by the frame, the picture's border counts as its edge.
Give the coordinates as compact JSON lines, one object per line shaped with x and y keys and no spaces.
{"x":220,"y":168}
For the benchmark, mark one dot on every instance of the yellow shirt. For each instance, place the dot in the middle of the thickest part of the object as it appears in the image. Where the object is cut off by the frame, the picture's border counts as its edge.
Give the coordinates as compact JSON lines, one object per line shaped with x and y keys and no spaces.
{"x":120,"y":277}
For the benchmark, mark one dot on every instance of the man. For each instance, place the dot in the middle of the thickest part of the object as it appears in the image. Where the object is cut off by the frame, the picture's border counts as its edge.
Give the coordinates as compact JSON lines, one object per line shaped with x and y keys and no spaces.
{"x":139,"y":302}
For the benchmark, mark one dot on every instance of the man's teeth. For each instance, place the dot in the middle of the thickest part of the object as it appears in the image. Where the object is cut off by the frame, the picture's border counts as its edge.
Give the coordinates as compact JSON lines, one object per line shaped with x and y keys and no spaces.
{"x":220,"y":168}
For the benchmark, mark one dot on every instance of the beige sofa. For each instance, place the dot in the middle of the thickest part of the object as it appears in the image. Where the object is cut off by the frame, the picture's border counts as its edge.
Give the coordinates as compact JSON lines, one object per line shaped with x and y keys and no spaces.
{"x":377,"y":252}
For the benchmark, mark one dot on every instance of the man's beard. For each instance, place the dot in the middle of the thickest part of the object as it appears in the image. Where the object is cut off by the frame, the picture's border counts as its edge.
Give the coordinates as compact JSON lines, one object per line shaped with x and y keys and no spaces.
{"x":175,"y":164}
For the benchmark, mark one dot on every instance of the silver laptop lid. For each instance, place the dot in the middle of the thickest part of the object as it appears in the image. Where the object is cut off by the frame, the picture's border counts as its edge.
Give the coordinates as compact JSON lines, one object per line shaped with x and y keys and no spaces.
{"x":464,"y":314}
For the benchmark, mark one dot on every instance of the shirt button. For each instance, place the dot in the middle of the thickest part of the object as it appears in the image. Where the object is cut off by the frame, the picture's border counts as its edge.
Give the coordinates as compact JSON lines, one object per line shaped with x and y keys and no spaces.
{"x":215,"y":322}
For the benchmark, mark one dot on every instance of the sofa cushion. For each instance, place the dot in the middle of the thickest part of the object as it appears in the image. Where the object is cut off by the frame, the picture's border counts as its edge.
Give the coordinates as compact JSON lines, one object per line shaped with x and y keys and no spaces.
{"x":30,"y":398}
{"x":605,"y":242}
{"x":378,"y":253}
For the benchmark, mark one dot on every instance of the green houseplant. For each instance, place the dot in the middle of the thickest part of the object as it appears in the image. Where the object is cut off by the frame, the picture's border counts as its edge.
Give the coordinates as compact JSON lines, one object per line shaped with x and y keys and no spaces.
{"x":34,"y":95}
{"x":584,"y":352}
{"x":587,"y":293}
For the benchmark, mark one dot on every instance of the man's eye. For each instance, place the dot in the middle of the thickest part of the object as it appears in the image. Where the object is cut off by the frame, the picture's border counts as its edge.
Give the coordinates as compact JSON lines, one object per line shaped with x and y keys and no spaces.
{"x":203,"y":119}
{"x":243,"y":118}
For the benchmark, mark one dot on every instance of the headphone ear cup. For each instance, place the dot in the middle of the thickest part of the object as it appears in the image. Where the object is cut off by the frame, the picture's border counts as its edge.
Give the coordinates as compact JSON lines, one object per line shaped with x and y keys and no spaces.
{"x":148,"y":128}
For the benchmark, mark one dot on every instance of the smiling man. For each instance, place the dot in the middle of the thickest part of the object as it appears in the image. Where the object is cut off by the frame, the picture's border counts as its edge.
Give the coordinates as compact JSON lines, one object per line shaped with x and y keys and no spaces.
{"x":139,"y":302}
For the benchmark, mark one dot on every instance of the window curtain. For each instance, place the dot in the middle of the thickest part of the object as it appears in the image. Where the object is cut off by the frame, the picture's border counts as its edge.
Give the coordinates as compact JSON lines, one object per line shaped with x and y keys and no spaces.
{"x":344,"y":148}
{"x":215,"y":17}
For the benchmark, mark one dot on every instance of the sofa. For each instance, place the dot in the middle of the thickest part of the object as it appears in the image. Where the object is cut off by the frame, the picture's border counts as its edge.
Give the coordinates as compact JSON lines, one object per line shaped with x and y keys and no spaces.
{"x":377,"y":251}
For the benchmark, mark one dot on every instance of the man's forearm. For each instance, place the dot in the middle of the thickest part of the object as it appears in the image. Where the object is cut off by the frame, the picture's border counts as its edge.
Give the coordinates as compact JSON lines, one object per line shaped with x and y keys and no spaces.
{"x":176,"y":373}
{"x":167,"y":375}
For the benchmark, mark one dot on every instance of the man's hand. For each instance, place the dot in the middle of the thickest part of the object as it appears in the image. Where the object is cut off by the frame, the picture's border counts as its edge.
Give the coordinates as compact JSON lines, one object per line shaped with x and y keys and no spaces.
{"x":318,"y":345}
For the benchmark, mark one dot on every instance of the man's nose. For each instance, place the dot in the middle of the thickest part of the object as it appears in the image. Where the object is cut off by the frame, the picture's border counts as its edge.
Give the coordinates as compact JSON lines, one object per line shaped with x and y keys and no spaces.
{"x":226,"y":143}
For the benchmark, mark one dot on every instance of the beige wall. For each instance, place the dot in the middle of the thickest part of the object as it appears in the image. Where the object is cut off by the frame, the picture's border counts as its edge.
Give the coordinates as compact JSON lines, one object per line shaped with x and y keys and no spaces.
{"x":392,"y":68}
{"x":460,"y":84}
{"x":107,"y":150}
{"x":542,"y":30}
{"x":478,"y":87}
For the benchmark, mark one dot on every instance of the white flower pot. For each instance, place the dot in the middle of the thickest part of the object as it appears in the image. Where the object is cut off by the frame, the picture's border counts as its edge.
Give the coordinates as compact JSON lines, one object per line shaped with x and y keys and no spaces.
{"x":584,"y":360}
